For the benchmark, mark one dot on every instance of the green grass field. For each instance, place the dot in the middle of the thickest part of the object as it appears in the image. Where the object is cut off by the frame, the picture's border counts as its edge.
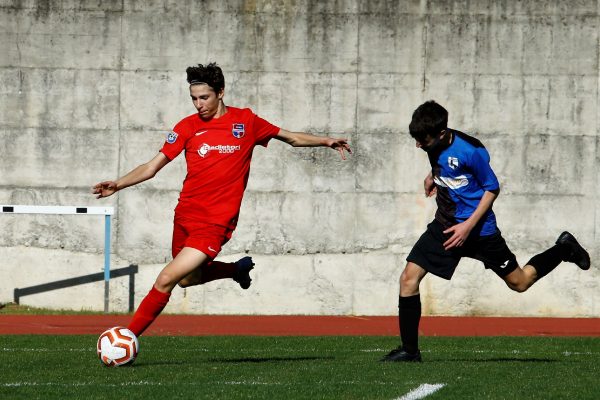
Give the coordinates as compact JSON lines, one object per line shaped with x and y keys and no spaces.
{"x":66,"y":367}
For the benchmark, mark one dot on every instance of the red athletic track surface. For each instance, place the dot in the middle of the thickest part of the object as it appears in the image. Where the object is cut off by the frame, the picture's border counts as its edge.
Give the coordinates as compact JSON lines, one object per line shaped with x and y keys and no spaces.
{"x":202,"y":325}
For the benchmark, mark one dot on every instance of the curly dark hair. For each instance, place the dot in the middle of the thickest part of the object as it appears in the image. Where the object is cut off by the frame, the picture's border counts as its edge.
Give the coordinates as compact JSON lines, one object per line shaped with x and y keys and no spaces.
{"x":210,"y":74}
{"x":429,"y":118}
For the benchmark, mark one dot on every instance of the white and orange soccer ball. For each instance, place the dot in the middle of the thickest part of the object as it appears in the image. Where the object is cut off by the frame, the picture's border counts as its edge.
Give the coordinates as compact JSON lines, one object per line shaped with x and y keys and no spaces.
{"x":117,"y":346}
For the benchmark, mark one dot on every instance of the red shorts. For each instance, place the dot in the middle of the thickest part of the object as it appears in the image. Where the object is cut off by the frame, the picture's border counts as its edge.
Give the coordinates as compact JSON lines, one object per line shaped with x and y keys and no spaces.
{"x":207,"y":238}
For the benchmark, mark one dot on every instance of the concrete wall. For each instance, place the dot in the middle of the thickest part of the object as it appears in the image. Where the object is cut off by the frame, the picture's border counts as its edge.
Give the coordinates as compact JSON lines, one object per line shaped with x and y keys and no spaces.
{"x":90,"y":88}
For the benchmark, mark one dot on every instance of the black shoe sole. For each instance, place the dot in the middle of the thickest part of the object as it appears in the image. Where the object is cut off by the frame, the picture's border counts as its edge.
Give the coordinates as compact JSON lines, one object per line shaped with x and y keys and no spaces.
{"x":582,"y":256}
{"x":402,"y":356}
{"x":245,"y":265}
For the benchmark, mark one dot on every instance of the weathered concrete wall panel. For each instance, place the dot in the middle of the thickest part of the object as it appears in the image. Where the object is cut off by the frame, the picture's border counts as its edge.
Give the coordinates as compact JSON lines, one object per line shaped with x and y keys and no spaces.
{"x":89,"y":89}
{"x":68,"y":38}
{"x":60,"y":98}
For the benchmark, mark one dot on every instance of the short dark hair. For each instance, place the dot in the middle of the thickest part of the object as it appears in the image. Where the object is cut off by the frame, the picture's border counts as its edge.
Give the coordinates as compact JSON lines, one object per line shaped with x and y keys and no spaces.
{"x":429,"y":118}
{"x":210,"y":74}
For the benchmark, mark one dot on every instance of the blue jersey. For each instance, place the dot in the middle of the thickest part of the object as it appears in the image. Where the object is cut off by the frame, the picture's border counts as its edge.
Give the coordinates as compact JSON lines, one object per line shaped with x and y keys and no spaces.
{"x":462,"y":174}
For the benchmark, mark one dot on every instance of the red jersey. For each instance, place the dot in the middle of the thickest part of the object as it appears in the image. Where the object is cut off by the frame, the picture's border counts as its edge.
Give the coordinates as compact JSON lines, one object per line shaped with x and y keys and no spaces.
{"x":218,"y":154}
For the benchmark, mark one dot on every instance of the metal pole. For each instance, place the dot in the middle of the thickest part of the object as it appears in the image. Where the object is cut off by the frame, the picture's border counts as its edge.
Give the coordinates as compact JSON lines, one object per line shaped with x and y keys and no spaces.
{"x":106,"y":260}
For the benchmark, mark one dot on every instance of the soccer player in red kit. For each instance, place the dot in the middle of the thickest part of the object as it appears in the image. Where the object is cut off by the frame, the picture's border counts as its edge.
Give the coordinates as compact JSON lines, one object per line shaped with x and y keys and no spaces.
{"x":218,"y":142}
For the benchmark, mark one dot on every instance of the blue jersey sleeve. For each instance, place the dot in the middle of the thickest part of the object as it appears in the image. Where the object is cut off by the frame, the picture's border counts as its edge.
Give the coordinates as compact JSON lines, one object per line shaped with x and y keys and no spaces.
{"x":482,"y":171}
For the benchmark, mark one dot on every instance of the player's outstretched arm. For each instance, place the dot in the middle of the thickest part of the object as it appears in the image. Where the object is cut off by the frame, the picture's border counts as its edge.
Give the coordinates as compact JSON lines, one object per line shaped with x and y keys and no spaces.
{"x":138,"y":174}
{"x":301,"y":139}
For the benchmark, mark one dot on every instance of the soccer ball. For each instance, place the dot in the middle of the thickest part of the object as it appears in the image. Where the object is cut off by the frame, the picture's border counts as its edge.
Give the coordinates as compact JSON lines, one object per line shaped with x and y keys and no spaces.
{"x":117,"y":346}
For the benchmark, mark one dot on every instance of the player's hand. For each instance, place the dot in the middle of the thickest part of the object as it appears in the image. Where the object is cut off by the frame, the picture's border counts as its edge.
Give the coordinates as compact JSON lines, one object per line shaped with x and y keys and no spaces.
{"x":340,"y":145}
{"x":460,"y":233}
{"x":429,"y":185}
{"x":104,"y":189}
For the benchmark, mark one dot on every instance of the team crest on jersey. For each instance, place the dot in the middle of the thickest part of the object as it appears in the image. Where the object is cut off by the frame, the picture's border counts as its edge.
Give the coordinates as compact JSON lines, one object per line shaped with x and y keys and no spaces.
{"x":453,"y":162}
{"x":238,"y":131}
{"x":171,"y":137}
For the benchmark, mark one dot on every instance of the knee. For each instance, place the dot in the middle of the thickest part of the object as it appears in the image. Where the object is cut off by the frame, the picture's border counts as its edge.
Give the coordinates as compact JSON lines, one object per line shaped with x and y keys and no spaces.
{"x":186,"y":282}
{"x":404,"y":279}
{"x":519,"y":288}
{"x":409,"y":285}
{"x":165,"y":282}
{"x":521,"y":279}
{"x":192,"y":279}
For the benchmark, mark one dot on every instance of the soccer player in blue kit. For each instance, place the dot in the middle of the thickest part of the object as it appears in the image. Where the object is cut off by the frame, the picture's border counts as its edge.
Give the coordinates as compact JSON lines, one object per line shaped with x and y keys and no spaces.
{"x":465,"y":187}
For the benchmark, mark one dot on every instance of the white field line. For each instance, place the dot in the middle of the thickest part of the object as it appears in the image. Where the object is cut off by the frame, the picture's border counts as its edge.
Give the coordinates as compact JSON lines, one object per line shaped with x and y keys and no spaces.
{"x":565,"y":353}
{"x":43,"y":350}
{"x":422,"y":391}
{"x":76,"y":384}
{"x":139,"y":383}
{"x":148,"y":383}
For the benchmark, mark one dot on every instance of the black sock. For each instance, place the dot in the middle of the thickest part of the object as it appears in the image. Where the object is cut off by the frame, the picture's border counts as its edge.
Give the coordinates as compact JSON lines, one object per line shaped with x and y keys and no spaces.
{"x":548,"y":260}
{"x":409,"y":315}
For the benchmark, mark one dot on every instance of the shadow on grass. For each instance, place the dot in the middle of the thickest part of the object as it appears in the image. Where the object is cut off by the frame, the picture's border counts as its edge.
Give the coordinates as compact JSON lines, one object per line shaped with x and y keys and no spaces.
{"x":144,"y":364}
{"x":507,"y":359}
{"x":267,"y":359}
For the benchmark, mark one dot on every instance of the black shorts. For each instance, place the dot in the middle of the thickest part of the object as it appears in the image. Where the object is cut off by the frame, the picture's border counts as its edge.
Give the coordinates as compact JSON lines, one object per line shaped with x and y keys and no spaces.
{"x":429,"y":253}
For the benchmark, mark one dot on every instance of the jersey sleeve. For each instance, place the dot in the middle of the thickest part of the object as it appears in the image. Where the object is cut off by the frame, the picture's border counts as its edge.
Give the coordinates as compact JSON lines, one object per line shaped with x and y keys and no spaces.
{"x":482,"y":171}
{"x":264,"y":130}
{"x":174,"y":142}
